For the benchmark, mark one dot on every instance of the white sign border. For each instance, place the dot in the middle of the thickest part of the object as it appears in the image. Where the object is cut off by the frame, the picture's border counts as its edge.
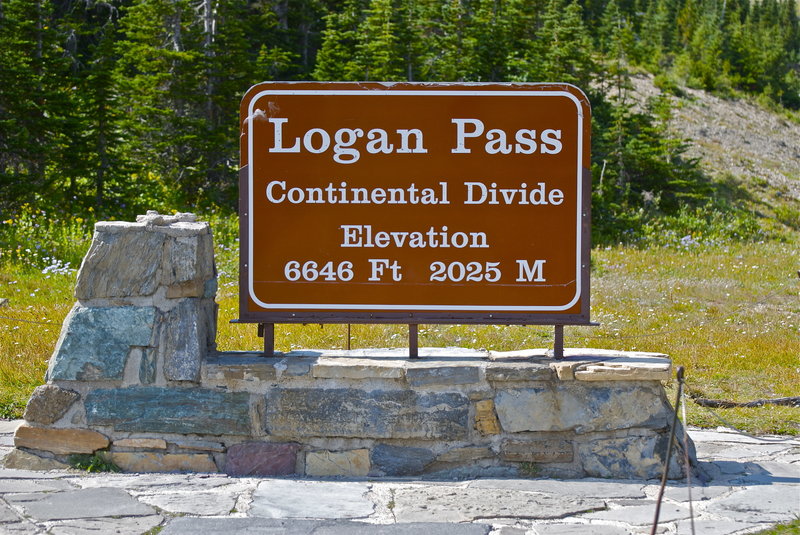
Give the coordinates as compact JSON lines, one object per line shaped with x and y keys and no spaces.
{"x":411,"y":92}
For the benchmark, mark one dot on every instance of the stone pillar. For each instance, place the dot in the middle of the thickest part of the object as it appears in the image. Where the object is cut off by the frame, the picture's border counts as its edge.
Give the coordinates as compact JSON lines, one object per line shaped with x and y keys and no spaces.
{"x":145,"y":312}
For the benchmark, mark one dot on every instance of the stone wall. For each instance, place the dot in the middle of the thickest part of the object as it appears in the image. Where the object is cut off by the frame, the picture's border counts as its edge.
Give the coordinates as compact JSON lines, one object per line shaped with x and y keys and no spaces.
{"x":136,"y":378}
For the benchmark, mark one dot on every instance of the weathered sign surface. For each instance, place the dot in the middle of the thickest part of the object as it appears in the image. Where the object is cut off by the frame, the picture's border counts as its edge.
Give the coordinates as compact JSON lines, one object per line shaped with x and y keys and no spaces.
{"x":415,"y":203}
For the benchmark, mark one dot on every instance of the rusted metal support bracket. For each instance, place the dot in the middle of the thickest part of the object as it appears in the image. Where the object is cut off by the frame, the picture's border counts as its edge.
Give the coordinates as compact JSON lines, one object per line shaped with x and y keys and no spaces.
{"x":413,"y":340}
{"x":267,"y":332}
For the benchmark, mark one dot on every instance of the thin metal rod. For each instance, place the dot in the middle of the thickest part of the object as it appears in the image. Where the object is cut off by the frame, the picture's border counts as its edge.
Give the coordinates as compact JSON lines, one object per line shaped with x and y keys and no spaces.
{"x":669,"y":451}
{"x":413,"y":340}
{"x":348,"y":337}
{"x":686,"y":462}
{"x":558,"y":342}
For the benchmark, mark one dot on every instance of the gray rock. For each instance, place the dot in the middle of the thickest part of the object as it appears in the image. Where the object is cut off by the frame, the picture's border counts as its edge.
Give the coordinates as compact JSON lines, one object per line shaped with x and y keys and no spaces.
{"x":23,"y":528}
{"x":128,"y":525}
{"x":95,"y":342}
{"x":8,"y":515}
{"x":578,"y":529}
{"x":777,"y":503}
{"x":346,"y":412}
{"x":642,"y":515}
{"x":148,"y":366}
{"x":152,"y":217}
{"x":152,"y":484}
{"x":769,"y":473}
{"x":442,"y":375}
{"x":400,"y":460}
{"x":210,"y":288}
{"x":188,"y":262}
{"x":515,"y":371}
{"x":538,"y":451}
{"x":580,"y":407}
{"x":310,"y":499}
{"x":447,"y":503}
{"x":296,"y":366}
{"x":170,"y":410}
{"x":679,"y":492}
{"x":184,"y":340}
{"x":216,"y":502}
{"x":262,"y":526}
{"x":21,"y":473}
{"x":9,"y":426}
{"x":584,"y":488}
{"x":22,"y":460}
{"x":19,"y":486}
{"x":714,"y":527}
{"x":85,"y":503}
{"x":633,"y":457}
{"x":48,"y":403}
{"x":107,"y":269}
{"x":476,"y":471}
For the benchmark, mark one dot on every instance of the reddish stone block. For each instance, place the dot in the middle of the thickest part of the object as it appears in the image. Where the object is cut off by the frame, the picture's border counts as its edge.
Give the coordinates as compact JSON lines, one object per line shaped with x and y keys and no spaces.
{"x":261,"y":459}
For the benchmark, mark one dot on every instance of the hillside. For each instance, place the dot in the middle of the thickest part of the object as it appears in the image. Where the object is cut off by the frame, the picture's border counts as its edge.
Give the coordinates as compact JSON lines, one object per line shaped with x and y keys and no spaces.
{"x":734,"y":137}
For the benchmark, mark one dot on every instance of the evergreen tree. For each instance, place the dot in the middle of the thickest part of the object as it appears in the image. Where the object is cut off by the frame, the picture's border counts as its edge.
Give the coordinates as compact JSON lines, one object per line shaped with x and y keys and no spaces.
{"x":565,"y":51}
{"x":34,"y":82}
{"x":704,"y":49}
{"x":94,"y":167}
{"x":451,"y":53}
{"x":336,"y":57}
{"x":378,"y":52}
{"x":489,"y":40}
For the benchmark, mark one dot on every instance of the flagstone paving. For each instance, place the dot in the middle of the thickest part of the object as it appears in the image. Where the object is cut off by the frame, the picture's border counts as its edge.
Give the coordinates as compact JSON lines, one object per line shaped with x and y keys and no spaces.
{"x":749,"y":484}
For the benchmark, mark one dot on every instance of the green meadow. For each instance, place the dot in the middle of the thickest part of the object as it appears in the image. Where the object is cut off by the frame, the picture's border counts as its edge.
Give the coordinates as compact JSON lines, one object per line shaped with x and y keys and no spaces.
{"x":727,"y":310}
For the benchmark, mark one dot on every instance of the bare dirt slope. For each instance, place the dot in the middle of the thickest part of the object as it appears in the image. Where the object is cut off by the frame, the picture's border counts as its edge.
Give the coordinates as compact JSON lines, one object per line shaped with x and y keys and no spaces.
{"x":737,"y":137}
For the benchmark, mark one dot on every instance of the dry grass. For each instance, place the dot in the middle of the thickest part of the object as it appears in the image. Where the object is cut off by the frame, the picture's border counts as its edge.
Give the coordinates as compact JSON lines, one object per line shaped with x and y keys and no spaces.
{"x":38,"y":306}
{"x":730,"y":315}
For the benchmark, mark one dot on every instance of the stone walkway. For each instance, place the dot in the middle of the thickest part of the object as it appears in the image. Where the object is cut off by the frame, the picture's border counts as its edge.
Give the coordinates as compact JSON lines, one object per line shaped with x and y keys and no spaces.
{"x":753,"y":484}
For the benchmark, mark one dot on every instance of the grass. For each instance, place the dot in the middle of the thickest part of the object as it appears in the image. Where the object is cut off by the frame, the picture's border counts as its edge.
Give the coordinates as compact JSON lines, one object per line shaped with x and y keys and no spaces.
{"x":96,"y":462}
{"x":729,"y":313}
{"x":790,"y":528}
{"x":38,"y":304}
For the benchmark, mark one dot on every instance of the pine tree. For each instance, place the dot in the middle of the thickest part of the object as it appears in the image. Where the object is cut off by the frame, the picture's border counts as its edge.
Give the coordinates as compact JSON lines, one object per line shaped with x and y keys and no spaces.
{"x":336,"y":57}
{"x":489,"y":41}
{"x":93,"y":165}
{"x":378,"y":53}
{"x":704,"y":49}
{"x":34,"y":82}
{"x":566,"y":55}
{"x":451,"y":53}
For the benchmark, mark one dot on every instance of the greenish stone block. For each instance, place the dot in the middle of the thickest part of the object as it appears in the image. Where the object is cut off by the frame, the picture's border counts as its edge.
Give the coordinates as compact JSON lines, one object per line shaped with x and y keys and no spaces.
{"x":349,"y":412}
{"x":400,"y":460}
{"x":170,"y":410}
{"x":147,"y":367}
{"x":95,"y":342}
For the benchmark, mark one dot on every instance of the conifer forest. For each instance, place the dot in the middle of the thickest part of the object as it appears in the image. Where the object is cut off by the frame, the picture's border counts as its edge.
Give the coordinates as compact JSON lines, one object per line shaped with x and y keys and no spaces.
{"x":111,"y":107}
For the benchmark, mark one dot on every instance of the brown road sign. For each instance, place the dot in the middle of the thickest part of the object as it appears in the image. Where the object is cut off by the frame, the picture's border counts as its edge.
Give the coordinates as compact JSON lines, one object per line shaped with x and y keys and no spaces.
{"x":431,"y":203}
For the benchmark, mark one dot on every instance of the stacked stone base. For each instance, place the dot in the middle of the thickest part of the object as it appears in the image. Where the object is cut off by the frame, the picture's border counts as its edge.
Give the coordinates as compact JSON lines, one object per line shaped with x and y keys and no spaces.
{"x":135,"y":378}
{"x":453,"y":414}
